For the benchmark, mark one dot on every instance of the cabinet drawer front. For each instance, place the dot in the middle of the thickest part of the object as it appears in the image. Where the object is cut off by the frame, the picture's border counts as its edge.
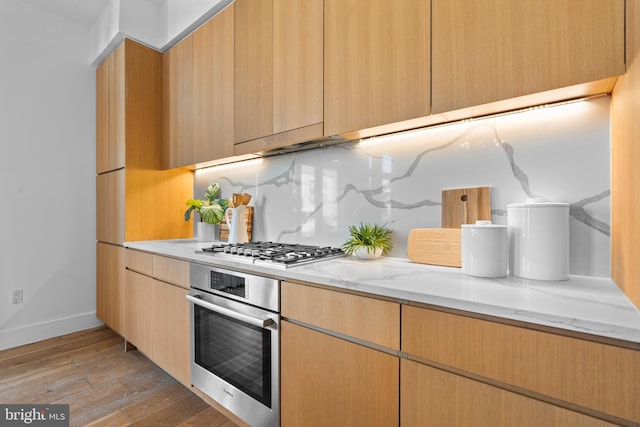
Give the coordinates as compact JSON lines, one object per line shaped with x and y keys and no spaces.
{"x":593,"y":375}
{"x":171,"y":270}
{"x":431,"y":397}
{"x":327,"y":381}
{"x":141,"y":262}
{"x":363,"y":318}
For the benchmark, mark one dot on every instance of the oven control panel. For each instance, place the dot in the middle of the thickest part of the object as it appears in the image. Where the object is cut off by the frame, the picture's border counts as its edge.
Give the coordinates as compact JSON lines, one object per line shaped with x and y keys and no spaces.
{"x":256,"y":290}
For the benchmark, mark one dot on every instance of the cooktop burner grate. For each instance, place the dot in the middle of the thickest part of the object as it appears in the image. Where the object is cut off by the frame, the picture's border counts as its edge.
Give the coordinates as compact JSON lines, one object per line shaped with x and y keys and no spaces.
{"x":283,"y":254}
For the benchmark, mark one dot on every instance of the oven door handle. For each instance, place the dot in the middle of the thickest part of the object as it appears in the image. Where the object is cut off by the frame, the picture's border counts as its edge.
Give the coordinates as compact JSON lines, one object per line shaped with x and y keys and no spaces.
{"x":261,"y":323}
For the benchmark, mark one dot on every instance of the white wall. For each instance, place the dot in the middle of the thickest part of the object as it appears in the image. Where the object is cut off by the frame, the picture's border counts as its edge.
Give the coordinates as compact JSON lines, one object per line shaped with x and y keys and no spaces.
{"x":181,"y":16}
{"x":47,"y":175}
{"x":158,"y":26}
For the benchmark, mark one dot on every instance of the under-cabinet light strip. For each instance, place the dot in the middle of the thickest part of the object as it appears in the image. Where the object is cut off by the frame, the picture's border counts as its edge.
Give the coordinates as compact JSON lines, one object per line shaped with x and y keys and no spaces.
{"x":381,"y":138}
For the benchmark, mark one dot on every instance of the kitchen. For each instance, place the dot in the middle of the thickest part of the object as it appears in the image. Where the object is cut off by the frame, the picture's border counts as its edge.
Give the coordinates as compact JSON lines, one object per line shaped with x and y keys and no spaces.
{"x":272,"y":182}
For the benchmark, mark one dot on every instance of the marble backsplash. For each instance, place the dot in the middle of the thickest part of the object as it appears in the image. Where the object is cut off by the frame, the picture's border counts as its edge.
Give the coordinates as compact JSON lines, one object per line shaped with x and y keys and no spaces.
{"x":560,"y":152}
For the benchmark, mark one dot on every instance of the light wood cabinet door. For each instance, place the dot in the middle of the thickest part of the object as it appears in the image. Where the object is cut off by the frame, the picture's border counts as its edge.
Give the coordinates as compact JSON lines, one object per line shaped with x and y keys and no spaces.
{"x":213,"y":67}
{"x":327,"y":381}
{"x":362,"y":318}
{"x":433,"y":397}
{"x":171,"y":270}
{"x":490,"y":50}
{"x":253,"y":69}
{"x":110,"y":207}
{"x":102,"y":116}
{"x":297,"y":64}
{"x":177,"y":104}
{"x":140,"y":303}
{"x":110,"y":304}
{"x":170,"y":325}
{"x":278,"y":73}
{"x":110,"y":120}
{"x":376,"y":63}
{"x":602,"y":377}
{"x":157,"y":312}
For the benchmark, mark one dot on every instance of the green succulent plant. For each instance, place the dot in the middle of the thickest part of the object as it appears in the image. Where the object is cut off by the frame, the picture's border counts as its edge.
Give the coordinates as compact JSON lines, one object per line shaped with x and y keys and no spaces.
{"x":370,"y":236}
{"x":211,"y":209}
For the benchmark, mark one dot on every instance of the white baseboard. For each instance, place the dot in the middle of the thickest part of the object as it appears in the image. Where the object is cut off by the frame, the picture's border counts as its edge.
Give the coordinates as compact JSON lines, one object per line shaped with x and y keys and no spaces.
{"x":10,"y":338}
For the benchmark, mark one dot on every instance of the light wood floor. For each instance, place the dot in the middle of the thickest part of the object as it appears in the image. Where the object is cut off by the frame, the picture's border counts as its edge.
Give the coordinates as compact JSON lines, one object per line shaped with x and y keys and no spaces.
{"x":103,"y":385}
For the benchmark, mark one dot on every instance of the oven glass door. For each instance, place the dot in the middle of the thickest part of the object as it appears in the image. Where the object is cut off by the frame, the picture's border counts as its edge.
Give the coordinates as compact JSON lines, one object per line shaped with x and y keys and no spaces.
{"x":235,"y":351}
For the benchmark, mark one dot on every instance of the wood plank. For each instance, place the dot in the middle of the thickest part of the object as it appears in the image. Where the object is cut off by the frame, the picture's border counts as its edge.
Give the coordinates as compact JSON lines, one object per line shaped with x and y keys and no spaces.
{"x":208,"y":418}
{"x":175,"y":413}
{"x":136,"y":389}
{"x":114,"y":419}
{"x":120,"y":365}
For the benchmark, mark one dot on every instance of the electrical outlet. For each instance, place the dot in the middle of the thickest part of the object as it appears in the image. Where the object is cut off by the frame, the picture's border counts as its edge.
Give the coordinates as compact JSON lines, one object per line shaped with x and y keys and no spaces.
{"x":16,"y":296}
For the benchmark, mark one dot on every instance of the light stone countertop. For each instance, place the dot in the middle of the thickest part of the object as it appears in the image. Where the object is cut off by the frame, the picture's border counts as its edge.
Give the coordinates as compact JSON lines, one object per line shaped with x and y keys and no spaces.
{"x":582,"y":304}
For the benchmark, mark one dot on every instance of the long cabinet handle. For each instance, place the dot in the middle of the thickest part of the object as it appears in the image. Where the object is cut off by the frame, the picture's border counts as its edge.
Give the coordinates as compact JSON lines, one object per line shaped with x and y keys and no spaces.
{"x":261,"y":323}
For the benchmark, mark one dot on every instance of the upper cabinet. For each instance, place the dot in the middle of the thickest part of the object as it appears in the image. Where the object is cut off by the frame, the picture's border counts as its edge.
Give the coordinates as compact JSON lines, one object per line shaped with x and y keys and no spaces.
{"x":278,"y":73}
{"x":492,"y":50}
{"x":198,"y":90}
{"x":135,"y":199}
{"x":110,"y":120}
{"x":213,"y":83}
{"x":377,"y":63}
{"x":177,"y":104}
{"x":263,"y":75}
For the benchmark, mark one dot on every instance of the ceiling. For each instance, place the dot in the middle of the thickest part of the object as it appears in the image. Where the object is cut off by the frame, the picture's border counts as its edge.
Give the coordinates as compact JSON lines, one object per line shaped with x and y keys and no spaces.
{"x":83,"y":12}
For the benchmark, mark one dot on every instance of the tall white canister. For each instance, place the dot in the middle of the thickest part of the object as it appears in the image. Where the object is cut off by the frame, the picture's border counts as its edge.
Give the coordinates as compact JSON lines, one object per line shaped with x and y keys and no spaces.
{"x":539,"y":239}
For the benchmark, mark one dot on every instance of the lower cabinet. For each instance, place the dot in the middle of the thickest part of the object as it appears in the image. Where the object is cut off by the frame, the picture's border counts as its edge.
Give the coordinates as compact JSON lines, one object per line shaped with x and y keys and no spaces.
{"x":332,"y":371}
{"x":157,"y":312}
{"x":171,"y":345}
{"x":328,"y":381}
{"x":341,"y":365}
{"x":433,"y":397}
{"x":139,"y":309}
{"x":576,"y":373}
{"x":110,"y":285}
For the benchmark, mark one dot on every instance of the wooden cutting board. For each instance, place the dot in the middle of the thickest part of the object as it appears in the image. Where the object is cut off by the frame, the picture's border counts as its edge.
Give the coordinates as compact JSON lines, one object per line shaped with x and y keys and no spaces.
{"x":436,"y":246}
{"x":465,"y":206}
{"x":441,"y":246}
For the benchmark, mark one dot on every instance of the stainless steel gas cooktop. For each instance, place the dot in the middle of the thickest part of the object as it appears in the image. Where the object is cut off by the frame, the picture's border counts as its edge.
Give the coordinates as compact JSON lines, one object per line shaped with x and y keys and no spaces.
{"x":281,"y":255}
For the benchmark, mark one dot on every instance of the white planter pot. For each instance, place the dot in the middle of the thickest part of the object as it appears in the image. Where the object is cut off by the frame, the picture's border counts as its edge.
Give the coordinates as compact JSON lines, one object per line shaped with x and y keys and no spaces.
{"x":363,"y":253}
{"x":206,"y":232}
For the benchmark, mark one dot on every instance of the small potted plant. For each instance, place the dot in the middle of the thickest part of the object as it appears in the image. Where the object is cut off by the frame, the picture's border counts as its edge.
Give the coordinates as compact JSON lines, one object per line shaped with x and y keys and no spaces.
{"x":211,"y":210}
{"x":368,"y":241}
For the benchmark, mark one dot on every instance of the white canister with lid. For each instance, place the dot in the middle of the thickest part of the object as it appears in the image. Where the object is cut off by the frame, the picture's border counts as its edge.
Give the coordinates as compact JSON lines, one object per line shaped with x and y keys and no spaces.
{"x":539,"y":239}
{"x":484,"y":249}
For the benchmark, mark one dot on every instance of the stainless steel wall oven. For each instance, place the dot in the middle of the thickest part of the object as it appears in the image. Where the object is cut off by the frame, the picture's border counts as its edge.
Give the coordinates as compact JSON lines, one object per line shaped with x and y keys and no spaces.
{"x":235,"y":342}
